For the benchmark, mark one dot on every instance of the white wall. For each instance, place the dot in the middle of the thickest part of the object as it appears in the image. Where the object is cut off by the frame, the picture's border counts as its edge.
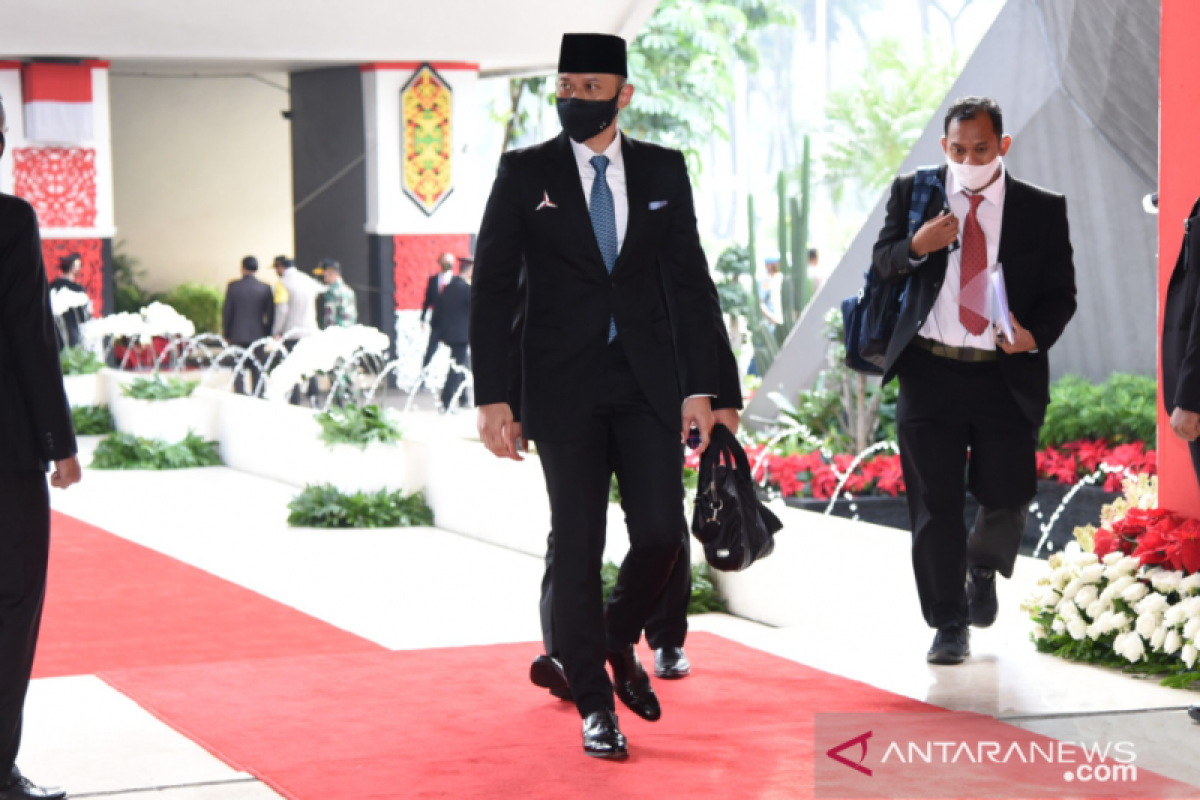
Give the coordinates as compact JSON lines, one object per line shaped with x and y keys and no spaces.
{"x":203,"y":174}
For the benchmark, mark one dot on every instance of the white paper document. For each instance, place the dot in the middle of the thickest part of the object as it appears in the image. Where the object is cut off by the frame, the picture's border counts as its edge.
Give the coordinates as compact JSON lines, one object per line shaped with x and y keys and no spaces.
{"x":1001,"y":316}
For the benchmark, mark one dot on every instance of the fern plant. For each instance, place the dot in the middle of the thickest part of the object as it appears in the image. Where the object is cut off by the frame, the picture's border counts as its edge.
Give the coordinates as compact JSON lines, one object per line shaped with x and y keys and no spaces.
{"x":323,"y":506}
{"x":705,"y":599}
{"x":79,"y":361}
{"x":125,"y":451}
{"x":92,"y":420}
{"x":357,"y":426}
{"x":157,"y":388}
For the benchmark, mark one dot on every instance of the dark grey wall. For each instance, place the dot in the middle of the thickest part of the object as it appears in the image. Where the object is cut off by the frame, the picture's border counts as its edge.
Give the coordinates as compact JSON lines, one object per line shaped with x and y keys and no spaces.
{"x":329,"y":176}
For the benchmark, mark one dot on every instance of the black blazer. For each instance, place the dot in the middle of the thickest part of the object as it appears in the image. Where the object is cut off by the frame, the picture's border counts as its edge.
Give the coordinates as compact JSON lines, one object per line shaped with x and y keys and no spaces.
{"x":569,"y":295}
{"x":249,"y":313}
{"x":1181,"y":324}
{"x":35,"y":418}
{"x":452,"y":312}
{"x":1039,"y":274}
{"x":431,"y":297}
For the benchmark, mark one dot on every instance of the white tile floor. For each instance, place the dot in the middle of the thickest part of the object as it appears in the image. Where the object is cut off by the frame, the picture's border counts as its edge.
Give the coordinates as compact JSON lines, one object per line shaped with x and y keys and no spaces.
{"x":419,"y":588}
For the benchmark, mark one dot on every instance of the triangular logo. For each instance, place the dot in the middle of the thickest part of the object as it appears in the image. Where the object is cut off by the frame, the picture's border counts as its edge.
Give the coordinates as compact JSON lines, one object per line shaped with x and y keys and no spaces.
{"x":836,"y":753}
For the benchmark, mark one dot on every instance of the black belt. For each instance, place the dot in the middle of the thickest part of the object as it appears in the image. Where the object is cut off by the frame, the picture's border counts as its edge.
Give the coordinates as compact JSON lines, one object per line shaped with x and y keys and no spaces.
{"x":972,"y":354}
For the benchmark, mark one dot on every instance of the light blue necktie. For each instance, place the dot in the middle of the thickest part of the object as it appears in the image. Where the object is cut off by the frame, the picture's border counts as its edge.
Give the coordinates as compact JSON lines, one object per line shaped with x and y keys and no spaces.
{"x":604,"y":223}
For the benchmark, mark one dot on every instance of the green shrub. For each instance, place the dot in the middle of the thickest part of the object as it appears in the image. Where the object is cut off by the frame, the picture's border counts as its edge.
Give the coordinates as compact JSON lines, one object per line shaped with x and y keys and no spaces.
{"x":325,"y":507}
{"x":124,"y":451}
{"x":1123,"y":409}
{"x":78,"y":361}
{"x":358,"y":426}
{"x":199,"y":303}
{"x":158,"y":389}
{"x":92,"y":420}
{"x":705,"y":596}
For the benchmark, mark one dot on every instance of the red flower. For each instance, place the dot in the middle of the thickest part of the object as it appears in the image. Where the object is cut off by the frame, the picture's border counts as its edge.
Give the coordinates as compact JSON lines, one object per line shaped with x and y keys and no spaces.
{"x":1153,"y":544}
{"x":1184,"y":551}
{"x":1105,"y":542}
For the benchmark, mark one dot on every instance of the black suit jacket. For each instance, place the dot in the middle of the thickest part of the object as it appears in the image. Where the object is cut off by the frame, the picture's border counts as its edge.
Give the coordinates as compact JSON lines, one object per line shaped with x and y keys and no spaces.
{"x":452,"y":312}
{"x":1181,"y":324}
{"x":35,"y":418}
{"x":1039,"y":275}
{"x":249,"y":313}
{"x":431,"y":297}
{"x":569,"y":295}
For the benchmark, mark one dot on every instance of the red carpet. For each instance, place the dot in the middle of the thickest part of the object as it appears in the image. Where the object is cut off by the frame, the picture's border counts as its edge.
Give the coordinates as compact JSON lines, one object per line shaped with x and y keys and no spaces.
{"x":465,"y":723}
{"x":112,"y":604}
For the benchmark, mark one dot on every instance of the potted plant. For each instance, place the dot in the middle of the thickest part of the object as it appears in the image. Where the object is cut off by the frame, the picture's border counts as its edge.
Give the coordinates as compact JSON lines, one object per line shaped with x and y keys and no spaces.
{"x":162,"y":409}
{"x":79,"y":368}
{"x":362,"y":450}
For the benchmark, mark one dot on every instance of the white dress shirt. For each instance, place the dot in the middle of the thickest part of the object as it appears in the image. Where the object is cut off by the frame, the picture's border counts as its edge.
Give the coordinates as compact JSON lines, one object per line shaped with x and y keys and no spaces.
{"x":615,"y":174}
{"x":942,"y":324}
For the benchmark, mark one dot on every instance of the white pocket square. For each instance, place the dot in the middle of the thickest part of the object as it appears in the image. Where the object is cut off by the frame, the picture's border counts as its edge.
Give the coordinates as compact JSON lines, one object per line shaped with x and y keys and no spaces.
{"x":655,"y":205}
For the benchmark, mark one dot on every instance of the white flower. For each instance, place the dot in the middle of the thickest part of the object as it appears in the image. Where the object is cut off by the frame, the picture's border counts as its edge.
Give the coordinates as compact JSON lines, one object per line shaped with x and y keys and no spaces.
{"x":1129,"y":564}
{"x":1092,"y":574}
{"x":1060,"y":578}
{"x":1059,"y":626}
{"x":1175,"y":615}
{"x":1157,"y":638}
{"x":1104,"y":622}
{"x":63,"y":300}
{"x":1146,"y":625}
{"x":1117,"y":586}
{"x":162,"y":320}
{"x":1098,"y":607}
{"x":1095,"y":631}
{"x":1166,"y":582}
{"x":1191,"y":628}
{"x":1152,"y":603}
{"x":1080,"y":558}
{"x":1190,"y":584}
{"x":1132,"y":647}
{"x":1119,"y":621}
{"x":1113,"y":557}
{"x":1039,"y":632}
{"x":1192,"y":607}
{"x":1087,"y":595}
{"x":1072,"y":550}
{"x":1071,"y":589}
{"x":1173,"y":642}
{"x":1077,"y":628}
{"x":1068,"y":610}
{"x":1049,"y":598}
{"x":1189,"y":655}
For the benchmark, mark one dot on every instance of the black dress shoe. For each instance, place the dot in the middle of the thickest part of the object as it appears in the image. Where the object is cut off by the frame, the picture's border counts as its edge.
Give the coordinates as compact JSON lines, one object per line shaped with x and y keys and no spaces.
{"x":951,"y":645}
{"x":981,"y":596}
{"x":671,"y":663}
{"x":632,"y":684}
{"x":548,"y":673}
{"x":1194,"y":713}
{"x":21,"y":788}
{"x":602,"y":738}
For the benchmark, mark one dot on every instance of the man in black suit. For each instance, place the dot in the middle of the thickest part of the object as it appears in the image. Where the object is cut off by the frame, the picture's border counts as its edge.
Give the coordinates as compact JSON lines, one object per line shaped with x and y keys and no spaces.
{"x":433,"y":290}
{"x":451,"y":319}
{"x":965,"y":388}
{"x":1181,"y":341}
{"x":619,"y":360}
{"x":71,"y":268}
{"x":35,"y":432}
{"x":248,"y":316}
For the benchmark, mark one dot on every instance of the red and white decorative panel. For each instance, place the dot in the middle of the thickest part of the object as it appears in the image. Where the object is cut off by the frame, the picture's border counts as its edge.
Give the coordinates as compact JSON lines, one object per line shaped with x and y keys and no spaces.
{"x":91,"y":252}
{"x":59,"y":182}
{"x":58,"y":102}
{"x":415,"y":262}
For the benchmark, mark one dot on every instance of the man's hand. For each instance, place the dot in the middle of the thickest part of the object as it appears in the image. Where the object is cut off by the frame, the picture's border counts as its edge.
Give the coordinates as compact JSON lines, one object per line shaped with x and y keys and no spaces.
{"x":1024,"y":342}
{"x":697,"y":411}
{"x":66,"y":473}
{"x":499,"y":432}
{"x":729,"y":417}
{"x":1186,"y":424}
{"x":936,"y":234}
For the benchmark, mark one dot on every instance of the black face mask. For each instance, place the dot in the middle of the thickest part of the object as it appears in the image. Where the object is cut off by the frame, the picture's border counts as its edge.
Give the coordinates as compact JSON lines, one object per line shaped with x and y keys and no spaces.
{"x":583,"y":119}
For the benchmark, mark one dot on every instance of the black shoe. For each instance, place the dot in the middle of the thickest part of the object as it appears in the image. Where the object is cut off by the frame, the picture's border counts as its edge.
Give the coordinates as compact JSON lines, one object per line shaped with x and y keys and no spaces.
{"x":602,"y":738}
{"x":547,"y":673}
{"x":1194,"y":713}
{"x":952,"y":645}
{"x":981,"y":596}
{"x":632,"y":684}
{"x":21,"y":788}
{"x":671,"y":663}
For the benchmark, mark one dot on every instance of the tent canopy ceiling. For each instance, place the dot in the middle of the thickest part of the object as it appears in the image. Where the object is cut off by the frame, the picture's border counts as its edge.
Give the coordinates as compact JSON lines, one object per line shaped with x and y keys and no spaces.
{"x":285,"y":35}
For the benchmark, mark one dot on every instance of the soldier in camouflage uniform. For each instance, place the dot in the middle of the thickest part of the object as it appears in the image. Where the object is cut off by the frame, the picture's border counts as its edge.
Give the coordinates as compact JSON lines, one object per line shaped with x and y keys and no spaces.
{"x":341,"y":306}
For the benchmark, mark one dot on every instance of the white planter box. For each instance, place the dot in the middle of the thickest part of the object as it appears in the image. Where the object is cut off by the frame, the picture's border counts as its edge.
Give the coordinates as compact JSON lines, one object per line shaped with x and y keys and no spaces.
{"x":83,"y":390}
{"x":169,"y":420}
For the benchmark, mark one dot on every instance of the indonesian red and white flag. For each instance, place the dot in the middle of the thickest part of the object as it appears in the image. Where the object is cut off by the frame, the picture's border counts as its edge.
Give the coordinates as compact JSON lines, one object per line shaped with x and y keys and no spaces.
{"x":58,"y":102}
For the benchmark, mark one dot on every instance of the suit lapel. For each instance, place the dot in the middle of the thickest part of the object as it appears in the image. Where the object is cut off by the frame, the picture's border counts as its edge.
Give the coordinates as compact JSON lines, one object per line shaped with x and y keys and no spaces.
{"x":566,"y":191}
{"x":637,"y":190}
{"x":1010,"y":224}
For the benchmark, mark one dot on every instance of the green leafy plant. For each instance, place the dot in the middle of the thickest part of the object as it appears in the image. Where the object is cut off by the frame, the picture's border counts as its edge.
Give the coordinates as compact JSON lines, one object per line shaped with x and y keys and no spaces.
{"x":200,"y":303}
{"x":127,"y":272}
{"x":323,"y":506}
{"x":79,"y":361}
{"x":358,"y":426}
{"x":92,"y":420}
{"x":123,"y":451}
{"x":705,"y":598}
{"x":1123,"y":409}
{"x":158,"y":389}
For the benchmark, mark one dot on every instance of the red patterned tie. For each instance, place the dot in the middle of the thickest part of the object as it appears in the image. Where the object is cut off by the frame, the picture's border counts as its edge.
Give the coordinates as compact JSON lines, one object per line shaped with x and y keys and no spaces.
{"x":973,"y":293}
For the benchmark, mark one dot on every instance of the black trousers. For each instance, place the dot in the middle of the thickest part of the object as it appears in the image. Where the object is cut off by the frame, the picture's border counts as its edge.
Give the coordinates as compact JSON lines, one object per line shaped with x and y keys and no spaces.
{"x":461,"y":357}
{"x":24,"y":558}
{"x":251,"y":370}
{"x":624,"y":437}
{"x":431,"y":348}
{"x":667,"y":626}
{"x":957,"y":419}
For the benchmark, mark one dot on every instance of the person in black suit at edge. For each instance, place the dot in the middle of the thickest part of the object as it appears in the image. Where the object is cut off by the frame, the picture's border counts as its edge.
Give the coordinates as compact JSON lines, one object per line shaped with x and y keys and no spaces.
{"x":71,"y":267}
{"x":35,"y":432}
{"x":451,"y":317}
{"x":433,"y":290}
{"x":247,"y":317}
{"x":619,"y":360}
{"x":963,"y":387}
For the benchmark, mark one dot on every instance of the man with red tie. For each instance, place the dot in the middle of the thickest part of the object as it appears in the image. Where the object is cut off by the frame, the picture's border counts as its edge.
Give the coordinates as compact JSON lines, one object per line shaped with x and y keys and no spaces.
{"x":965,"y":388}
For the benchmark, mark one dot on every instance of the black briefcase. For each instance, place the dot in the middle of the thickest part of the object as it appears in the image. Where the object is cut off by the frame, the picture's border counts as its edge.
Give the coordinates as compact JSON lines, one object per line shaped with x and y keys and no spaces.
{"x":734,"y":526}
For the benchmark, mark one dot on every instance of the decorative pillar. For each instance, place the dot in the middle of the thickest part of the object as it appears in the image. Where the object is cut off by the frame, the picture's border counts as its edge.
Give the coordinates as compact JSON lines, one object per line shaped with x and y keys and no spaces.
{"x":59,"y":158}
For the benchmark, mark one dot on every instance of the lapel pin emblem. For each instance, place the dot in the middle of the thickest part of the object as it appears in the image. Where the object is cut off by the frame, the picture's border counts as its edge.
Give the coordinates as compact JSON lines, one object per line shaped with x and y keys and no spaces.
{"x":545,"y":202}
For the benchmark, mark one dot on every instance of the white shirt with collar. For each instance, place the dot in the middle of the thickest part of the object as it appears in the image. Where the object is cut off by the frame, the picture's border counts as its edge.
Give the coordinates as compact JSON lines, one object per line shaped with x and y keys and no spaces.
{"x":615,"y":175}
{"x":942,"y":324}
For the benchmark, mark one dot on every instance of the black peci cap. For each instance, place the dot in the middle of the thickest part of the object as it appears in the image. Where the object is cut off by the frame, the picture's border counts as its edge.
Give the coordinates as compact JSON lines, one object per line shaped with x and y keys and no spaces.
{"x":593,"y":52}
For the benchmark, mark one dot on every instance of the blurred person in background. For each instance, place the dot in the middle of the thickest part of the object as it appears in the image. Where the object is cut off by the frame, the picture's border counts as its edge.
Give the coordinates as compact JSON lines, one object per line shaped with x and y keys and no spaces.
{"x":340,"y":306}
{"x":433,"y":289}
{"x":295,"y":312}
{"x":248,"y":317}
{"x":451,"y":314}
{"x":70,"y":268}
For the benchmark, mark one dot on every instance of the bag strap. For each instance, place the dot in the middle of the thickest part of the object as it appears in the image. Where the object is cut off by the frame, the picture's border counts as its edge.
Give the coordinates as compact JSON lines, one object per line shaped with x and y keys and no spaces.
{"x":925,"y":183}
{"x":726,"y":442}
